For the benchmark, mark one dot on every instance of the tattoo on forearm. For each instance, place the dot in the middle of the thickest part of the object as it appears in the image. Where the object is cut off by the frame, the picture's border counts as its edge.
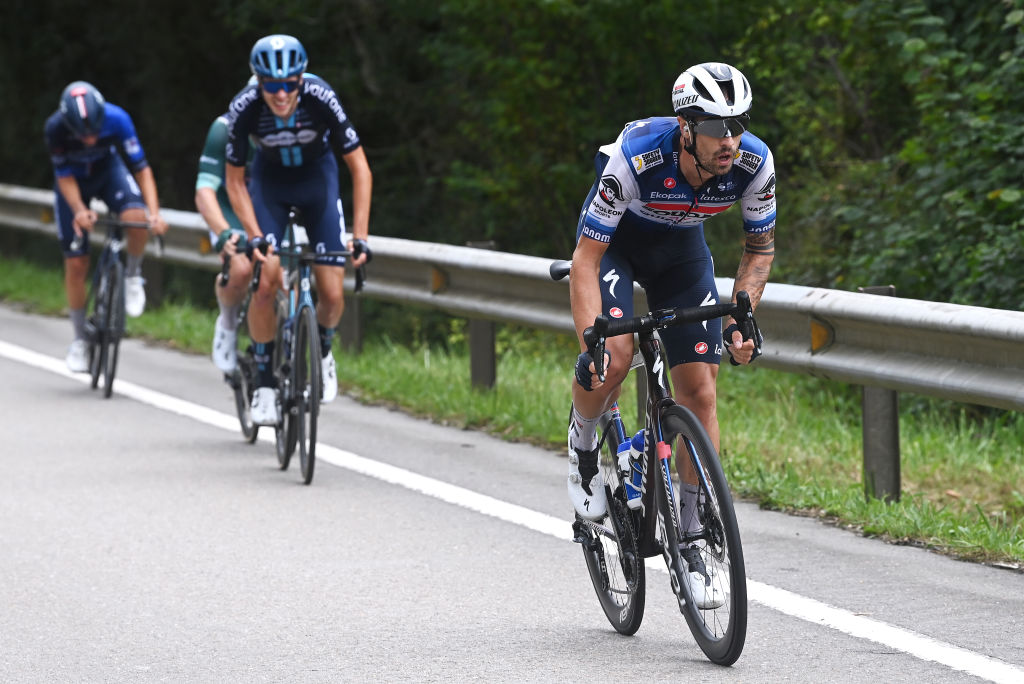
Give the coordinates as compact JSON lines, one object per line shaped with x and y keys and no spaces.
{"x":761,"y":243}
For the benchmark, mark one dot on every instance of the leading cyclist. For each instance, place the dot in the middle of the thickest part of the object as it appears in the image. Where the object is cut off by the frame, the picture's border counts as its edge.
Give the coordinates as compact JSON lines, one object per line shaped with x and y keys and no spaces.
{"x":87,"y":137}
{"x":644,"y":221}
{"x":294,"y":119}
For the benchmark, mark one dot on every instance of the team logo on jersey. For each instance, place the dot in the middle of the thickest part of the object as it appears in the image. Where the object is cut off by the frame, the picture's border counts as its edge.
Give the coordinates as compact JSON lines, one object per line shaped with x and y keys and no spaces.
{"x":701,"y":348}
{"x":615,"y":312}
{"x":670,"y":183}
{"x":132,"y":147}
{"x":287,"y":138}
{"x":647,"y":160}
{"x":611,"y":190}
{"x":748,"y":161}
{"x":768,"y":191}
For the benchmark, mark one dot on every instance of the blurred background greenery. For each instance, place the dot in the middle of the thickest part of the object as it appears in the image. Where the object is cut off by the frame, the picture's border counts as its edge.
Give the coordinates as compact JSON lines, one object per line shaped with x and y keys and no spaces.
{"x":894,"y":124}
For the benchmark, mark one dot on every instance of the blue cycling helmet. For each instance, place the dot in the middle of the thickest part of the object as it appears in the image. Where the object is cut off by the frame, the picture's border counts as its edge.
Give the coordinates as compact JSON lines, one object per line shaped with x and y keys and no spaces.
{"x":82,"y":109}
{"x":278,"y":56}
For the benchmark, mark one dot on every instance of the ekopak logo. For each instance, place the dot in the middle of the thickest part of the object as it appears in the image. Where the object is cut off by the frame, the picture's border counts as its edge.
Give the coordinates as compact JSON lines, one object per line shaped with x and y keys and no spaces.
{"x":670,"y":183}
{"x":616,"y":312}
{"x":701,"y":348}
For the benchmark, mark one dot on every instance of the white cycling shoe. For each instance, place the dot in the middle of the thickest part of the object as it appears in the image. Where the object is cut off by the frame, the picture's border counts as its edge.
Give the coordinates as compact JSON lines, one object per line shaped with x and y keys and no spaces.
{"x":586,"y":486}
{"x":134,"y":296}
{"x":329,"y":374}
{"x":706,"y":583}
{"x":78,"y":356}
{"x":225,"y":347}
{"x":264,"y":406}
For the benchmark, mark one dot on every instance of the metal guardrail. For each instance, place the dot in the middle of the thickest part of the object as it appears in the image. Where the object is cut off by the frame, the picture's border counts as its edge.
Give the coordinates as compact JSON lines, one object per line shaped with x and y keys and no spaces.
{"x":964,"y":353}
{"x":967,"y":354}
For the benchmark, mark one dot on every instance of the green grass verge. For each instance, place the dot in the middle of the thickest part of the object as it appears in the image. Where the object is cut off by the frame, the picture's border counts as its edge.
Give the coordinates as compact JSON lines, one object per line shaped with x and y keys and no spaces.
{"x":789,"y":442}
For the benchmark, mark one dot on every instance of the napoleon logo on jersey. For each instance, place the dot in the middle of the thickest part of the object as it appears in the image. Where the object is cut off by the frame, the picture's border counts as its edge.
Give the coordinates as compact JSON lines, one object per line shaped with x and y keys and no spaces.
{"x":611,"y":190}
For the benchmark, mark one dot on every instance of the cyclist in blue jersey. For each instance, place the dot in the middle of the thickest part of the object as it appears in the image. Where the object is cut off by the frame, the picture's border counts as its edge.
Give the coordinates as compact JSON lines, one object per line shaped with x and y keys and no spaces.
{"x":294,"y":119}
{"x":87,"y":138}
{"x":228,"y":238}
{"x":643,"y":221}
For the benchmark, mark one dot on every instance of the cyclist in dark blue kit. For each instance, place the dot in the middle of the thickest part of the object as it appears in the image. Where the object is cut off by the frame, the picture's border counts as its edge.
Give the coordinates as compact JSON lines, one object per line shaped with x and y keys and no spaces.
{"x":294,"y":118}
{"x":87,"y":138}
{"x":643,"y":221}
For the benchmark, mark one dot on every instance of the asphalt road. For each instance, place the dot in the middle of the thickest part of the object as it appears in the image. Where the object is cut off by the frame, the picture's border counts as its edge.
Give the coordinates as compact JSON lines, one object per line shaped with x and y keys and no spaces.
{"x":141,"y":539}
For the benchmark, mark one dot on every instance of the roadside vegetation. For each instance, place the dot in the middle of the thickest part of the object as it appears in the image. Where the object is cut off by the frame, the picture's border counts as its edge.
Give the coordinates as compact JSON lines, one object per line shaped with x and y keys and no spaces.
{"x":791,"y":443}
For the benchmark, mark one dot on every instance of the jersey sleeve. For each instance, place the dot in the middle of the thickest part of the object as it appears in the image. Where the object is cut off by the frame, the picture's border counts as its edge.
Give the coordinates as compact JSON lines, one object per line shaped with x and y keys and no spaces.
{"x":616,"y":189}
{"x":211,"y":161}
{"x":55,"y":146}
{"x":758,"y":201}
{"x":123,"y":127}
{"x":240,"y":123}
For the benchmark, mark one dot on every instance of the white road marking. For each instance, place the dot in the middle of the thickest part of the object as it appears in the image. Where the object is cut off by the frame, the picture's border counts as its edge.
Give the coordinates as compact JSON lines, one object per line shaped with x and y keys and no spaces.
{"x":789,"y":603}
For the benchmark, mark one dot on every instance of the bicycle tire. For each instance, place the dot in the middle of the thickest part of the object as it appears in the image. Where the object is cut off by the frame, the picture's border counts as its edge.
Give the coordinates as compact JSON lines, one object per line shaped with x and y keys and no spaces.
{"x":243,"y":386}
{"x":285,"y":436}
{"x":306,"y":385}
{"x":615,"y":564}
{"x":114,"y":327}
{"x":97,"y":331}
{"x":719,"y":631}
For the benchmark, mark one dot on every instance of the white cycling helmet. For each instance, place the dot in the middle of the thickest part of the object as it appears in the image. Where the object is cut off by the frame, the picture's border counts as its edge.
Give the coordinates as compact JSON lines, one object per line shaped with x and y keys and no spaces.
{"x":711,"y":88}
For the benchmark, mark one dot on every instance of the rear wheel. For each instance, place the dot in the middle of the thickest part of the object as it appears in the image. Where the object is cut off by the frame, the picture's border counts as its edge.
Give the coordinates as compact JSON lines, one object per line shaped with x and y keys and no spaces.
{"x":307,"y":388}
{"x":114,"y":307}
{"x":611,"y":548}
{"x":242,"y":384}
{"x":706,"y":564}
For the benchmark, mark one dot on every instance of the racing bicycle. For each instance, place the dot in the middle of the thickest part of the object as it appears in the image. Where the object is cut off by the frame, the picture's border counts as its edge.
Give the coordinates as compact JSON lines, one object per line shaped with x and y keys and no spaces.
{"x":105,"y":303}
{"x":709,"y":549}
{"x":242,"y":379}
{"x":297,"y":353}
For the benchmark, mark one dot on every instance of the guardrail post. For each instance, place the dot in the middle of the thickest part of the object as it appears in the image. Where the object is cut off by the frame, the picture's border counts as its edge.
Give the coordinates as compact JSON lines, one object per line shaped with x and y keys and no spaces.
{"x":350,"y":329}
{"x":483,"y":364}
{"x":881,"y":429}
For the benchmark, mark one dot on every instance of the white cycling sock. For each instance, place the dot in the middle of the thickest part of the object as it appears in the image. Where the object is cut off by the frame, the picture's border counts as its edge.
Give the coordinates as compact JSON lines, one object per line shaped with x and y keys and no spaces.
{"x":582,"y":431}
{"x":228,"y":315}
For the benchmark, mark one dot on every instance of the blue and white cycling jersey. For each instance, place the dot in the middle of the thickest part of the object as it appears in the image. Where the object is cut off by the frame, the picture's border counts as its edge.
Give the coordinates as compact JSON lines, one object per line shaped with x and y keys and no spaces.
{"x":71,"y":157}
{"x":642,"y":185}
{"x":301,"y":139}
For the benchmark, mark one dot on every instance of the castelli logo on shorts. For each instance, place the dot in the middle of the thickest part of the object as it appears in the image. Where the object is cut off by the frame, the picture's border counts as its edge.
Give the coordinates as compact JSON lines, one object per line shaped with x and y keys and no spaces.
{"x":670,"y":183}
{"x":616,"y":312}
{"x":701,"y":348}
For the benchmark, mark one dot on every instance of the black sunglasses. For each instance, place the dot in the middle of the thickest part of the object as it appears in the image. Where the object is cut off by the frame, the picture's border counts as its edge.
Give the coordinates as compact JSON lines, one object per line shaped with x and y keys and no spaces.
{"x":274,"y":86}
{"x":724,"y":127}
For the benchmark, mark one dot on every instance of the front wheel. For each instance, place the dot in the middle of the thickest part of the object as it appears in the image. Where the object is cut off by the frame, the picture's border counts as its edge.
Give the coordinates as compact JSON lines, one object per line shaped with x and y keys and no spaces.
{"x":307,"y":386}
{"x":701,"y":543}
{"x":611,"y":548}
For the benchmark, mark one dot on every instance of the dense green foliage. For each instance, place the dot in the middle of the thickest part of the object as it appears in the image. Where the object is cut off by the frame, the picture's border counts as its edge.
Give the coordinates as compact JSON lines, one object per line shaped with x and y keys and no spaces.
{"x":893,"y":122}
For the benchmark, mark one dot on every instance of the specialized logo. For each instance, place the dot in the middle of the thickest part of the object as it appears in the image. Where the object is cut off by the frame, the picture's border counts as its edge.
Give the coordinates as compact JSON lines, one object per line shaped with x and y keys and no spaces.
{"x":615,"y":312}
{"x":611,"y":190}
{"x":701,"y":348}
{"x":647,"y":160}
{"x":612,"y":278}
{"x":709,"y":300}
{"x":748,"y":161}
{"x":767,"y":192}
{"x":670,"y":183}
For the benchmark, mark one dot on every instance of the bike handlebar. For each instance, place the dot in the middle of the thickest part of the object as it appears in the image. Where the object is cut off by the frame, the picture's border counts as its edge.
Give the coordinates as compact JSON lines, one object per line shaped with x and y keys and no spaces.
{"x":594,"y":336}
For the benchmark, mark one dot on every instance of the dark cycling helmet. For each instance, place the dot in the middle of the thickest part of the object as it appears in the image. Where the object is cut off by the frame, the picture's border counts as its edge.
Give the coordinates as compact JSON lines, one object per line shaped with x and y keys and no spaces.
{"x":278,"y":56}
{"x":712,"y":88}
{"x":82,"y":109}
